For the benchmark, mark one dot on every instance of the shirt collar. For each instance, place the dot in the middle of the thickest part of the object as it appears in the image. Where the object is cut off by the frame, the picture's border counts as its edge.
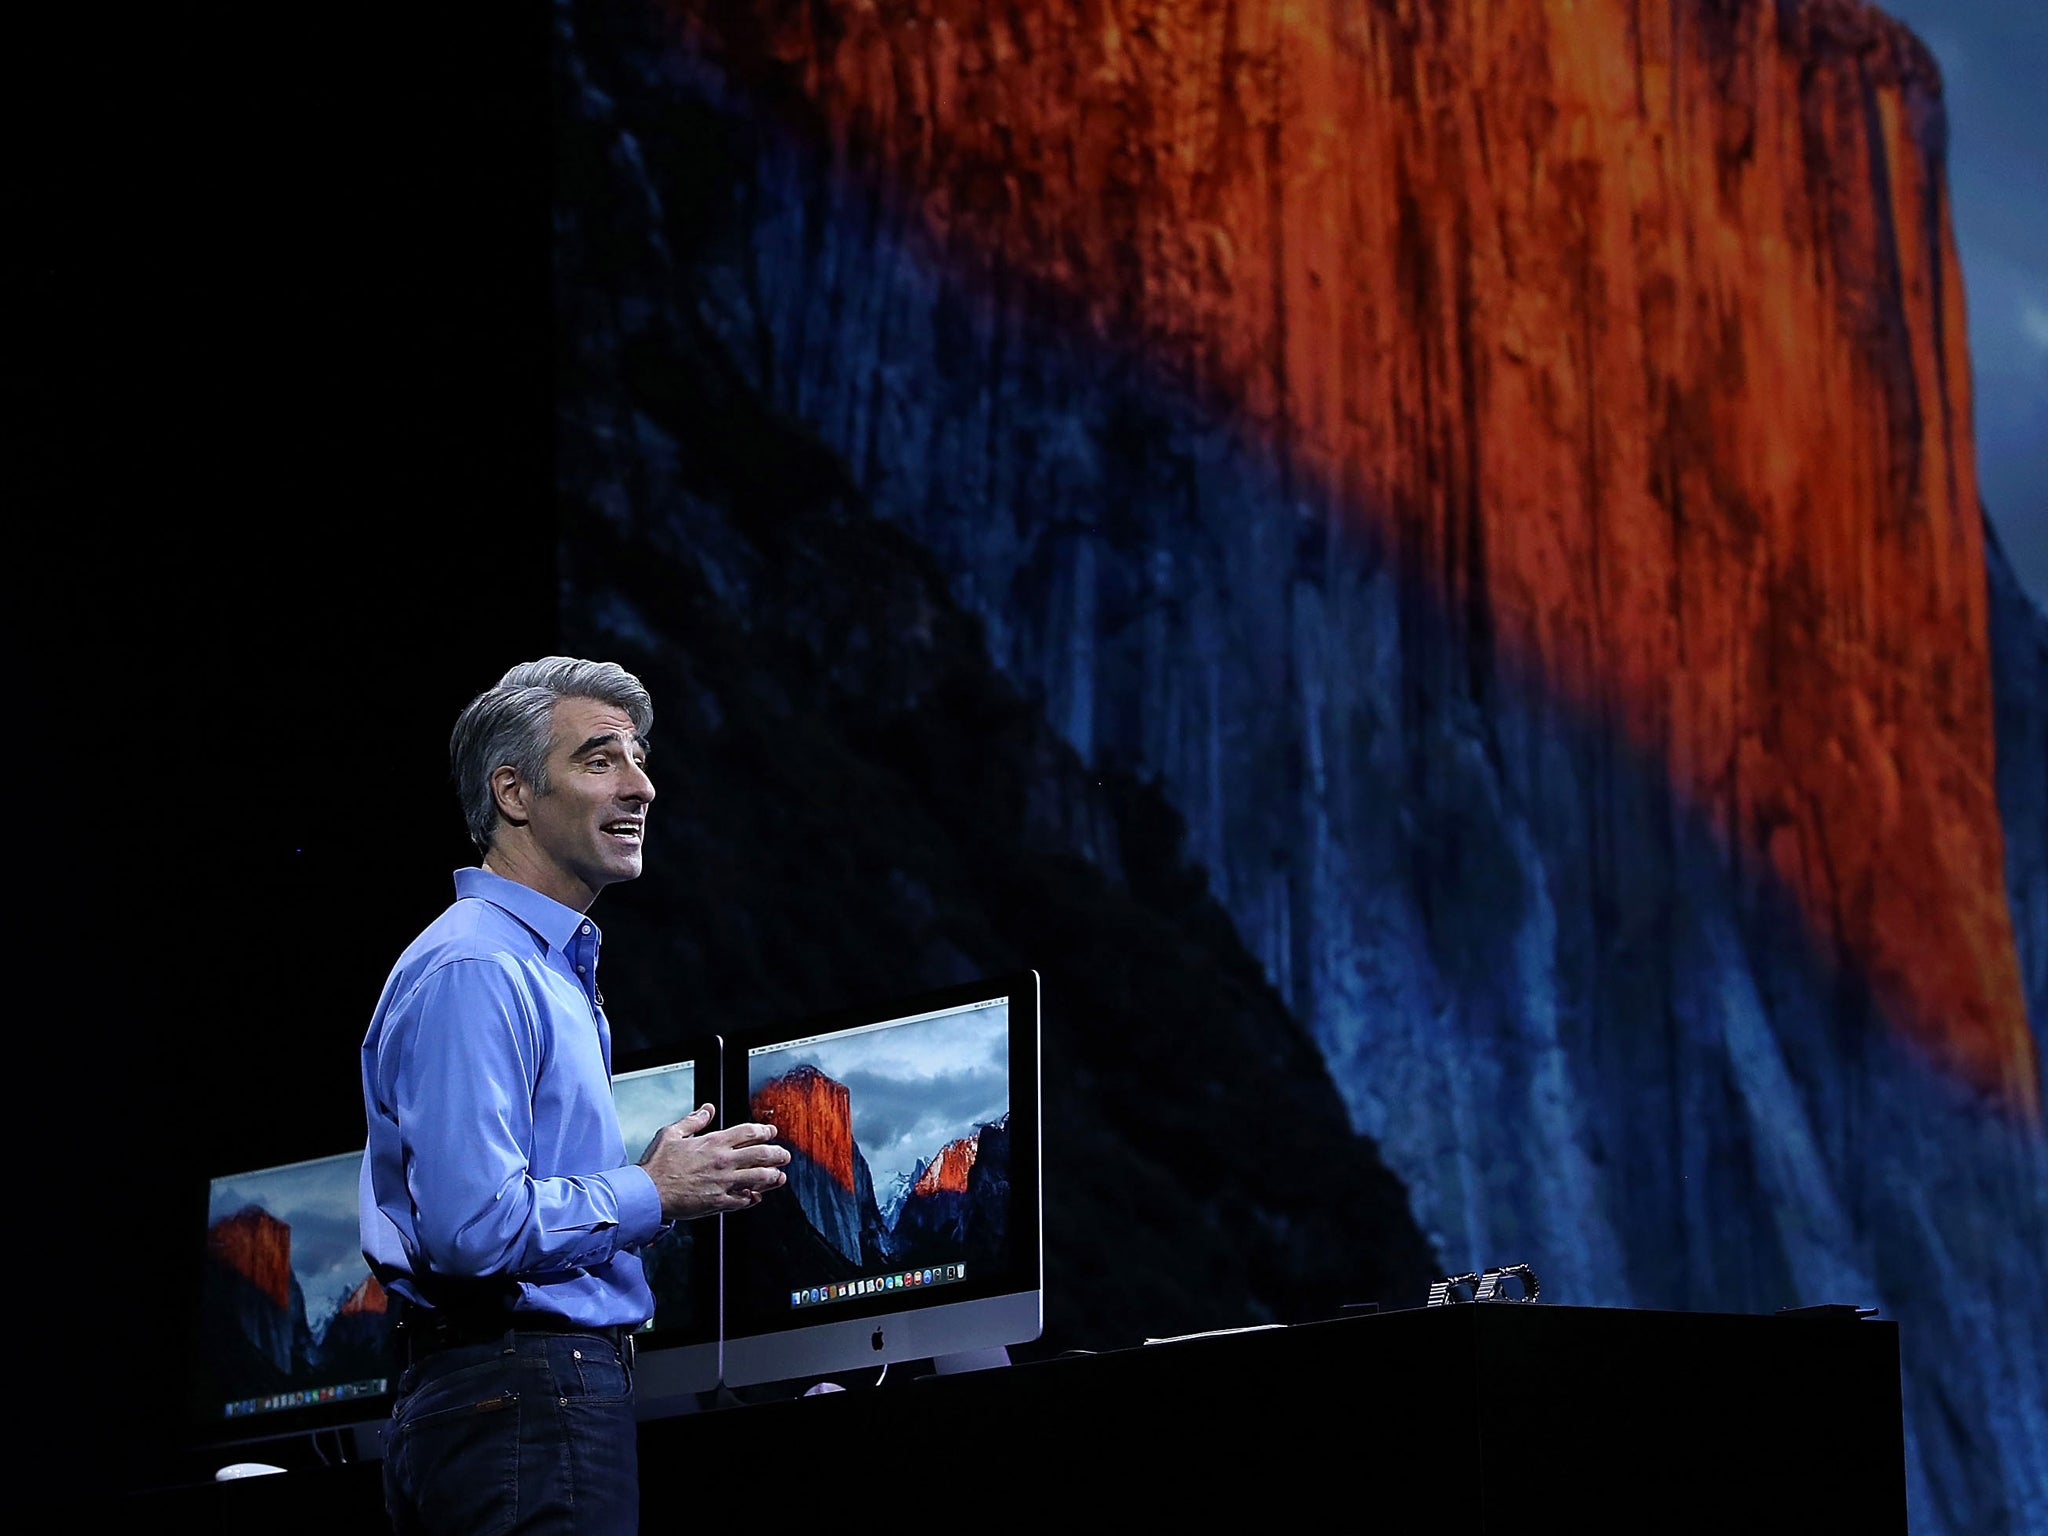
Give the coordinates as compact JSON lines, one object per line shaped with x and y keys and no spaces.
{"x":552,"y":922}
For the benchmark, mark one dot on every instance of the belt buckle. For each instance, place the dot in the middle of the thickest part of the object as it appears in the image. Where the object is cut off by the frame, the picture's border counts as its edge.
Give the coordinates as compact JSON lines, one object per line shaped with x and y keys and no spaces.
{"x":628,"y":1347}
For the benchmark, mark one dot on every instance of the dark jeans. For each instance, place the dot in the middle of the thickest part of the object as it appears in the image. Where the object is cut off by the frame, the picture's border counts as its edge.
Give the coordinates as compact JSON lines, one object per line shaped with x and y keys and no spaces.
{"x":532,"y":1432}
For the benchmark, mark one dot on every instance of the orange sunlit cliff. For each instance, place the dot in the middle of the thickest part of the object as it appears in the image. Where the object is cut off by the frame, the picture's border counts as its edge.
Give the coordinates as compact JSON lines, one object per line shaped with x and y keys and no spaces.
{"x":948,"y":1171}
{"x":256,"y":1245}
{"x":1635,"y":329}
{"x":369,"y":1297}
{"x":815,"y":1117}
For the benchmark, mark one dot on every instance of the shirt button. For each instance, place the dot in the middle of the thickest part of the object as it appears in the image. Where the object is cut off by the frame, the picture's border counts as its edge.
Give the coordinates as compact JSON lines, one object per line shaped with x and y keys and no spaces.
{"x":579,"y":970}
{"x":586,"y":927}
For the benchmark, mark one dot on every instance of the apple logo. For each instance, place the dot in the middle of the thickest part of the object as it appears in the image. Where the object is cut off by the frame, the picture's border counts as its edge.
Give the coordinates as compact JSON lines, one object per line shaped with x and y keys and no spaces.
{"x":877,"y":1339}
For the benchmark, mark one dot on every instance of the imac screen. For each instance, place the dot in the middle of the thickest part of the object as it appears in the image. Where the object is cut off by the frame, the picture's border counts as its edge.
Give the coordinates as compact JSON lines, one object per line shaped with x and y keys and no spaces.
{"x":678,"y":1346}
{"x":294,"y":1331}
{"x":909,"y":1228}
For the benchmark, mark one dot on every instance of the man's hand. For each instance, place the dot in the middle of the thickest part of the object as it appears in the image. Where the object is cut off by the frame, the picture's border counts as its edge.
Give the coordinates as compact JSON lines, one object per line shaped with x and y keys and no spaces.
{"x":699,"y":1173}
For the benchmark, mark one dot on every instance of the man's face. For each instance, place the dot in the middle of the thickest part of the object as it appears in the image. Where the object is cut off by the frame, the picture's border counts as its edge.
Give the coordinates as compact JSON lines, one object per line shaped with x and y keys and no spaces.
{"x":588,"y":828}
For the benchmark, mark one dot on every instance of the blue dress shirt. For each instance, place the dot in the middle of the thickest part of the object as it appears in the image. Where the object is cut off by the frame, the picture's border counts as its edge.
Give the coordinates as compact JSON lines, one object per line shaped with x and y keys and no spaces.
{"x":494,"y":1148}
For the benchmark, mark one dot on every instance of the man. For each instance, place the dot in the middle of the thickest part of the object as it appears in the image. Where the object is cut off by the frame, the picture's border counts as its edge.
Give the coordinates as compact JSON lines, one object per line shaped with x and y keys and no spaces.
{"x":498,"y":1205}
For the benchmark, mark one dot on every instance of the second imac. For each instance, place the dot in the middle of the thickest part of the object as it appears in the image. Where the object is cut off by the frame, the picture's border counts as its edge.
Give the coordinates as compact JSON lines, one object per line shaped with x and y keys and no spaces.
{"x":678,"y":1348}
{"x":910,"y":1226}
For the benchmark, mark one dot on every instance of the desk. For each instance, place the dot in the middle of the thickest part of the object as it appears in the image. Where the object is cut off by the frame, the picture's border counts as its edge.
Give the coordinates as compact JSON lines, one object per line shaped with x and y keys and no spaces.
{"x":1496,"y":1416}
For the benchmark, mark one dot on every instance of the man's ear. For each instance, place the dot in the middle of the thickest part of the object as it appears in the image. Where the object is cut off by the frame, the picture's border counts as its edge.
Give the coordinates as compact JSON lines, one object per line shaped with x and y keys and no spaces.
{"x":512,"y":794}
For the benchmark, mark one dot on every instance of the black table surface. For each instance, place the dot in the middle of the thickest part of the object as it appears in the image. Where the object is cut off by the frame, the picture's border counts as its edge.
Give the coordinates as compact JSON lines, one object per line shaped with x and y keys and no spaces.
{"x":1492,"y":1416}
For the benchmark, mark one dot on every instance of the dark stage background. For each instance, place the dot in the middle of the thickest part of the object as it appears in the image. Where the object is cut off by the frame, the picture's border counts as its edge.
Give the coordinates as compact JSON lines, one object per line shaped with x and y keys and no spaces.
{"x":287,"y":427}
{"x":378,"y":366}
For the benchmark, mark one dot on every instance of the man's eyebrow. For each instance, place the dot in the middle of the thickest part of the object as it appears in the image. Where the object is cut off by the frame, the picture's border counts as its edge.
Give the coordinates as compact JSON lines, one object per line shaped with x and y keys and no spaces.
{"x":608,"y":739}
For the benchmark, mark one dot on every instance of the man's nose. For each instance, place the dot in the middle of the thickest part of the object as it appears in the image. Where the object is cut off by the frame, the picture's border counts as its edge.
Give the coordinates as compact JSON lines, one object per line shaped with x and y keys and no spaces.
{"x":638,"y":785}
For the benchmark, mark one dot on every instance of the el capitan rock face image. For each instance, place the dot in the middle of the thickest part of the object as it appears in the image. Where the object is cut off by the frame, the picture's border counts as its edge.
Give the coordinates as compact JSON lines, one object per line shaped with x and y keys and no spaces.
{"x":254,"y":1320}
{"x":830,"y":1227}
{"x":815,"y":1118}
{"x":1448,"y":533}
{"x":1634,"y":336}
{"x":250,"y":1254}
{"x":827,"y":1177}
{"x":257,"y":1246}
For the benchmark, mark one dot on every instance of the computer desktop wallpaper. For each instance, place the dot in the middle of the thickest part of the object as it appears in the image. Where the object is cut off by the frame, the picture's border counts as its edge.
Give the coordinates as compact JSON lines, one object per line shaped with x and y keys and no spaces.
{"x":1423,"y":563}
{"x":899,"y":1142}
{"x":292,"y":1317}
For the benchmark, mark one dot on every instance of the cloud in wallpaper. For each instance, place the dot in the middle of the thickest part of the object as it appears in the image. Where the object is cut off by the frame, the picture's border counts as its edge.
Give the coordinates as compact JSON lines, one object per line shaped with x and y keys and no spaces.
{"x":1423,"y":564}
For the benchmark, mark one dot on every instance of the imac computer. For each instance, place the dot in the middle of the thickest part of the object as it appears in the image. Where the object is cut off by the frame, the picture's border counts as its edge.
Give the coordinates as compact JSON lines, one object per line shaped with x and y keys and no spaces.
{"x":677,"y":1350}
{"x":294,"y":1332}
{"x":910,"y":1225}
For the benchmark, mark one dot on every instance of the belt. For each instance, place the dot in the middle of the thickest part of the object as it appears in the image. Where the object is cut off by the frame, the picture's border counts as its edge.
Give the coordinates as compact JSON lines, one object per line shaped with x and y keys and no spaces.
{"x":427,"y":1331}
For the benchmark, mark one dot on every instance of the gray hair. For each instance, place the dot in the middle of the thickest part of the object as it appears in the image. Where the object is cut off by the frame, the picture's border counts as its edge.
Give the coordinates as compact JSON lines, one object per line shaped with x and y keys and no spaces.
{"x":513,"y":724}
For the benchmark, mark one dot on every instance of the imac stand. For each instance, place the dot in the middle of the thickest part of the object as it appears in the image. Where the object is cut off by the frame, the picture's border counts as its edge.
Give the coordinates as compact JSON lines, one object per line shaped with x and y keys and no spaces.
{"x":970,"y":1360}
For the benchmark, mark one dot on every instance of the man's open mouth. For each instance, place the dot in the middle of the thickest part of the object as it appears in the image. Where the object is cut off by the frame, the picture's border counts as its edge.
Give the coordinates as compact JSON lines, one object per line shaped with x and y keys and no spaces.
{"x":630,"y":830}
